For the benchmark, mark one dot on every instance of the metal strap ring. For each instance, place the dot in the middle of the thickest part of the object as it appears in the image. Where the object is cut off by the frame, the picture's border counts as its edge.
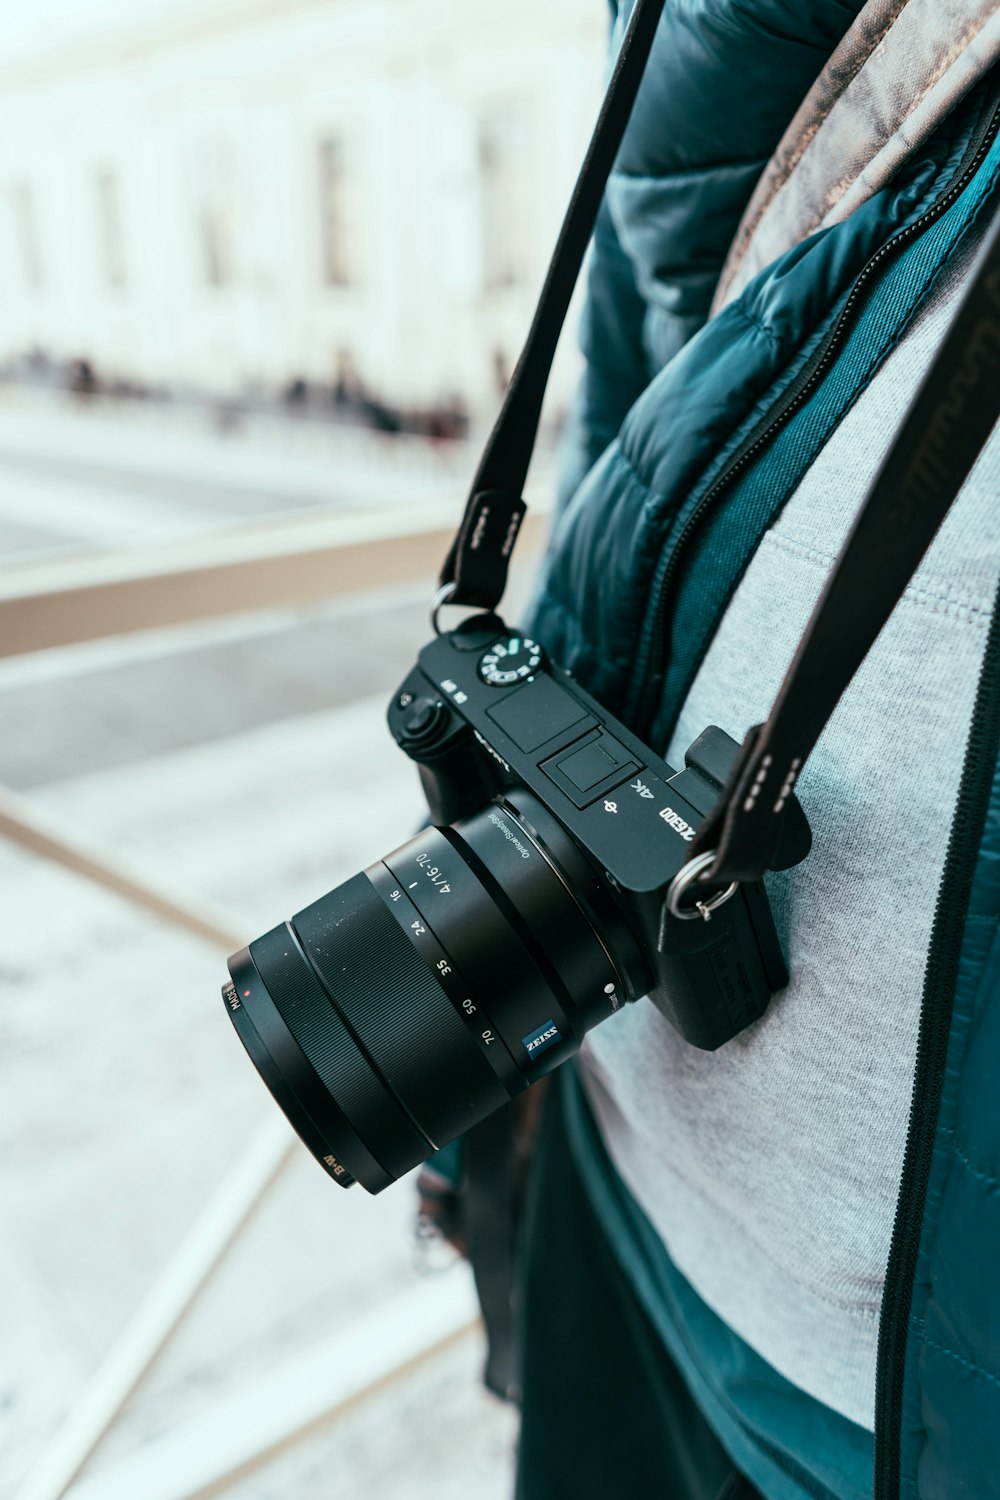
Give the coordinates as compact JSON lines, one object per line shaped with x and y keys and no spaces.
{"x":685,"y":877}
{"x":441,"y":598}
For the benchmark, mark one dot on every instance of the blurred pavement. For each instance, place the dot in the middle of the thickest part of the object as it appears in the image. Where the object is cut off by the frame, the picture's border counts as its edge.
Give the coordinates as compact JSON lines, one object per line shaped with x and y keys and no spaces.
{"x":75,"y":475}
{"x":246,"y":762}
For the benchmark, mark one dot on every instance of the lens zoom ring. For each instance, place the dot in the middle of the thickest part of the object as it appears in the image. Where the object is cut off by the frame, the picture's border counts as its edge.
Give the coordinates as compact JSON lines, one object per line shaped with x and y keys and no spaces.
{"x":397,"y":1009}
{"x":336,"y":1057}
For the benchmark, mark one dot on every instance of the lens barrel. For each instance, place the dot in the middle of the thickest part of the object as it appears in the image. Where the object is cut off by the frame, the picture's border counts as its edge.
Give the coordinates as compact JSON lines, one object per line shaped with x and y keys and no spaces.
{"x":419,"y":996}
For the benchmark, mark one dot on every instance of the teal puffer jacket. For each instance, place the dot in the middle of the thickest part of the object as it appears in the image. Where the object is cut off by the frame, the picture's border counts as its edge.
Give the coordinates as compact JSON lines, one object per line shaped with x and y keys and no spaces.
{"x":687,"y":438}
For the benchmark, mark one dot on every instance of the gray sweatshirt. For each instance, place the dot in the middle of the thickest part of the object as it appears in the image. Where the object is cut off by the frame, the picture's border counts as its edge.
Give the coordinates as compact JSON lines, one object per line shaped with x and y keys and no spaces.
{"x":770,"y":1168}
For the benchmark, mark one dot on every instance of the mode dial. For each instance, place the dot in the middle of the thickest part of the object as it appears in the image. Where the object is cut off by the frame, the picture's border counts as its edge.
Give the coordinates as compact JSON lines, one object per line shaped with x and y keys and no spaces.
{"x":512,"y":658}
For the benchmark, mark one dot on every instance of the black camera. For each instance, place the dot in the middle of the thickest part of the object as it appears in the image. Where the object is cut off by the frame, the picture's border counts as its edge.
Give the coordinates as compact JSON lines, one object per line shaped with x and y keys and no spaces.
{"x":554,"y":885}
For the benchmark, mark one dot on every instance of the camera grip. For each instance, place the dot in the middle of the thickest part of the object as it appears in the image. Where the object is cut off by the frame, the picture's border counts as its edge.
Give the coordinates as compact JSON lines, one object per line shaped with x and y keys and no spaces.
{"x":455,"y":784}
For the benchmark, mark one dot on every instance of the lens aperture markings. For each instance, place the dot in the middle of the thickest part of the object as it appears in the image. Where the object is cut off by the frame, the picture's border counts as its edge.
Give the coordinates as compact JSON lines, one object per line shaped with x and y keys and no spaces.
{"x":415,"y":924}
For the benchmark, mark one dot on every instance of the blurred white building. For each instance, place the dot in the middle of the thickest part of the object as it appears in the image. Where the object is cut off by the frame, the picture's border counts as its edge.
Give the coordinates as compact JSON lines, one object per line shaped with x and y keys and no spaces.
{"x":233,"y":193}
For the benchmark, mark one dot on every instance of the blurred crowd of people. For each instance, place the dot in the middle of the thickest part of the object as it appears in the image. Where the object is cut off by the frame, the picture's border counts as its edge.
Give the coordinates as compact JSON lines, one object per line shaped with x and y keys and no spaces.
{"x":347,"y":398}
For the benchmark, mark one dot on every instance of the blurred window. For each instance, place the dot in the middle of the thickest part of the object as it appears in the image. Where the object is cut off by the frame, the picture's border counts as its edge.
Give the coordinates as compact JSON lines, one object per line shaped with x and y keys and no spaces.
{"x":29,"y":247}
{"x":338,"y":213}
{"x":109,"y":228}
{"x":216,"y":186}
{"x":502,"y":171}
{"x":215,"y":247}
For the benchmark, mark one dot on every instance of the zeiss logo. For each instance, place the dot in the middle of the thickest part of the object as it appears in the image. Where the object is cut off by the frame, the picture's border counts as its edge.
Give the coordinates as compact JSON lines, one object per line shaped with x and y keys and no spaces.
{"x":546,"y":1036}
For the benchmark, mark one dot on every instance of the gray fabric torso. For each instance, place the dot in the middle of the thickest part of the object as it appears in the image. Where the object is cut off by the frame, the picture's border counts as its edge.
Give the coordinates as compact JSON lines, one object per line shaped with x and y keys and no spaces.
{"x":771,"y":1167}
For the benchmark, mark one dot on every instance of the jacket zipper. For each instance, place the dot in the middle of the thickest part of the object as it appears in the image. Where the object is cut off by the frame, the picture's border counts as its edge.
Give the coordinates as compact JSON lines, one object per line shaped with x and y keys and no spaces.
{"x":932,"y":1050}
{"x":653,"y":671}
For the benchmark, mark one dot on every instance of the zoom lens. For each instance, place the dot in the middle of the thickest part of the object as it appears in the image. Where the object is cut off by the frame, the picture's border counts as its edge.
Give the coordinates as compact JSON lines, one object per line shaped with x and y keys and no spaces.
{"x":418,"y":997}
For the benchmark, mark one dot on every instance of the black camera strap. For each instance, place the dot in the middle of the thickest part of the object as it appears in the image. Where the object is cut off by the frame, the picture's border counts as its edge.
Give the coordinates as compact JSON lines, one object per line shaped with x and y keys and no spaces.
{"x":944,"y":430}
{"x":475,"y":570}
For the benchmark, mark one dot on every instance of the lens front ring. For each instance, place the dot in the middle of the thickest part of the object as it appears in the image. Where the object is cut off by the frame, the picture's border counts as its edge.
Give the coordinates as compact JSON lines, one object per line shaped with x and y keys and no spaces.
{"x":292,"y":1080}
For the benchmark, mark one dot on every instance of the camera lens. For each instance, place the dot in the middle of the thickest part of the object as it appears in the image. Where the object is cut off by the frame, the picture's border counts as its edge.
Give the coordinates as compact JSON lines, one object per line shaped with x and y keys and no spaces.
{"x":419,"y":996}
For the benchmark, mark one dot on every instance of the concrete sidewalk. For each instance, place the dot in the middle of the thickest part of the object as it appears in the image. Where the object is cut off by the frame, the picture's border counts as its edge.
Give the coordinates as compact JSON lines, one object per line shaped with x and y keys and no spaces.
{"x":126,"y":1093}
{"x":76,"y":476}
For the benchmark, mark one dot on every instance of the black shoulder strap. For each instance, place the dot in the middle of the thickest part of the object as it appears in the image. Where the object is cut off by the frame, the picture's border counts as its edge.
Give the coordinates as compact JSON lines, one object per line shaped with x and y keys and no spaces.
{"x":475,"y":569}
{"x":947,"y":424}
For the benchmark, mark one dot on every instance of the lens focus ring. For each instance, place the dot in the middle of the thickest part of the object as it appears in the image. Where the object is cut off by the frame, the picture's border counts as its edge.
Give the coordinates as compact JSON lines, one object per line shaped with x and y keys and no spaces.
{"x":396,"y":1008}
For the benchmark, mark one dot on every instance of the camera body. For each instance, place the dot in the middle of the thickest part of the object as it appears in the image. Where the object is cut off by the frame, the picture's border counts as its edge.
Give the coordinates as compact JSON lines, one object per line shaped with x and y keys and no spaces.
{"x":487,"y":717}
{"x":425,"y":992}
